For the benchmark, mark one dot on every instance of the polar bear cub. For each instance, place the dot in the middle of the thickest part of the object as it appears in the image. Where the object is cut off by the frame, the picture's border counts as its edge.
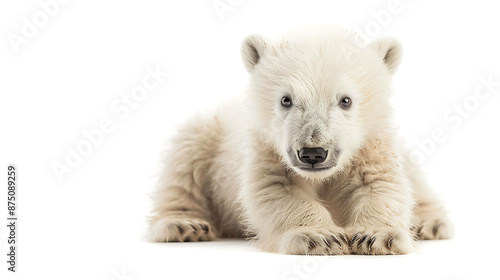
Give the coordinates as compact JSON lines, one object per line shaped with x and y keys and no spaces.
{"x":306,"y":162}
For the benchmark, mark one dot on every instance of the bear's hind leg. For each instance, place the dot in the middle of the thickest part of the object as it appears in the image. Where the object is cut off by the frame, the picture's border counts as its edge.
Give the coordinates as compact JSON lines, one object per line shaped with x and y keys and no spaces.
{"x":433,"y":222}
{"x":182,"y":217}
{"x":432,"y":219}
{"x":182,"y":203}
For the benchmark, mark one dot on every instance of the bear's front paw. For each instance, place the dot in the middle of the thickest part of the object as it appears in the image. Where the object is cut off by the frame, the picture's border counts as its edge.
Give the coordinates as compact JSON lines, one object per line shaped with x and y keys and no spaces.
{"x":380,"y":241}
{"x":314,"y":241}
{"x":435,"y":228}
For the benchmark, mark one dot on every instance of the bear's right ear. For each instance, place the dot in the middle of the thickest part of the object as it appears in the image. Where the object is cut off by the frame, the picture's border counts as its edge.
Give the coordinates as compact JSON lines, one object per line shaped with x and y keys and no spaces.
{"x":252,"y":50}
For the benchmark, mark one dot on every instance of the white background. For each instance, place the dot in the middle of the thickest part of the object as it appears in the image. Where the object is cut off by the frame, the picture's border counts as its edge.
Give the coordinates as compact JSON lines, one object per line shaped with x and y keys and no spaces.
{"x":64,"y":79}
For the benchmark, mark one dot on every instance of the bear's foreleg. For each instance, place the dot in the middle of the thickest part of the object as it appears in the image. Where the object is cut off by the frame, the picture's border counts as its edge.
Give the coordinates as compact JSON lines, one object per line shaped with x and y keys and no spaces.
{"x":379,"y":214}
{"x":288,"y":217}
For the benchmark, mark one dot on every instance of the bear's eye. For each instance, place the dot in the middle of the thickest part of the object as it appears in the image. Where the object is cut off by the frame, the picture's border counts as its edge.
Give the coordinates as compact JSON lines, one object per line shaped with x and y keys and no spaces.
{"x":286,"y":101}
{"x":345,"y":102}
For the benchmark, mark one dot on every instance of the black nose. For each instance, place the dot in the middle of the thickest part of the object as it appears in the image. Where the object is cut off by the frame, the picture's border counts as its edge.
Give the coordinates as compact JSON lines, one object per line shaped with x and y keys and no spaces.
{"x":313,"y":155}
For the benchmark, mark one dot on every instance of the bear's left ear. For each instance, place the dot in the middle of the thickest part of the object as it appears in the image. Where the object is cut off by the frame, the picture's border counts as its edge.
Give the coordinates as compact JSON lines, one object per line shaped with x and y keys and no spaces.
{"x":390,"y":52}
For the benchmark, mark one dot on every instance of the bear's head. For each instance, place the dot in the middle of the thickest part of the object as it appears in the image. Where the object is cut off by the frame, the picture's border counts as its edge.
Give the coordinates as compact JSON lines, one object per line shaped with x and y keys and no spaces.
{"x":316,"y":98}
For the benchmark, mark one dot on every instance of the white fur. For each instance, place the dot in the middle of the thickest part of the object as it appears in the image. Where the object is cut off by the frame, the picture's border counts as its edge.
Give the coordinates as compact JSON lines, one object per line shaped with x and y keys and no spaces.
{"x":233,"y":173}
